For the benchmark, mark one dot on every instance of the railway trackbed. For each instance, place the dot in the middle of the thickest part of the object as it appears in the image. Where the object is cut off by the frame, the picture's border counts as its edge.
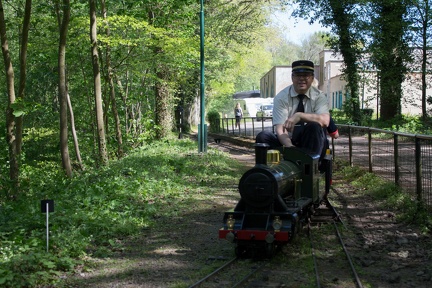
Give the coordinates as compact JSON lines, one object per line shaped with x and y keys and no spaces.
{"x":234,"y":273}
{"x":326,"y":263}
{"x":329,"y":250}
{"x":385,"y":251}
{"x":330,"y":263}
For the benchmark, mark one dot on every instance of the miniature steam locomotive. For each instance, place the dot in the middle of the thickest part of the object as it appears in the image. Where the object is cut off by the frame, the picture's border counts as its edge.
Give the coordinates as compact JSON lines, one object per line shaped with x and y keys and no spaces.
{"x":278,"y":196}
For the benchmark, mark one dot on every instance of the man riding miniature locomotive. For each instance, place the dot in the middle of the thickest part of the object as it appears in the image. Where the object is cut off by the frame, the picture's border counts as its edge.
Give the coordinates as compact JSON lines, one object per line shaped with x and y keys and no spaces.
{"x":300,"y":113}
{"x":280,"y":193}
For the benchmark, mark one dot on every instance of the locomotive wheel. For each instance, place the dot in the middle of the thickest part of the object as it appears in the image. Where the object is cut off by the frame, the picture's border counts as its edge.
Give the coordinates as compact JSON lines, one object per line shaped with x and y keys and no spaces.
{"x":240,"y":251}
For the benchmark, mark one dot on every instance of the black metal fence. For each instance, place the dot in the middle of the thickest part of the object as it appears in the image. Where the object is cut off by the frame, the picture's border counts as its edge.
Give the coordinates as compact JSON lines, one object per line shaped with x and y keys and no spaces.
{"x":249,"y":126}
{"x":403,"y":158}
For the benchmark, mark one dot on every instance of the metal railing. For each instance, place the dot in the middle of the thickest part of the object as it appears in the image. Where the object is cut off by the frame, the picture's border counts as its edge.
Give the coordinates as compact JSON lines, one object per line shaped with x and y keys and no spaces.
{"x":405,"y":159}
{"x":249,"y":126}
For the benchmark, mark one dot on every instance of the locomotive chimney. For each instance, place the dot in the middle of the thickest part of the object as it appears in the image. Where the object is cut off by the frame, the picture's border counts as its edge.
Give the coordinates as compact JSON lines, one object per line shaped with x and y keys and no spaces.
{"x":261,"y":153}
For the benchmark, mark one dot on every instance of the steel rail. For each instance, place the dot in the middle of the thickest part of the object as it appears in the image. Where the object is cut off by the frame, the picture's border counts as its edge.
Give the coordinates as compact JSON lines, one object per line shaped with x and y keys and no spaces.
{"x":339,"y":219}
{"x":317,"y":277}
{"x":248,"y":276}
{"x":335,"y":212}
{"x":335,"y":219}
{"x":358,"y":282}
{"x":196,"y":284}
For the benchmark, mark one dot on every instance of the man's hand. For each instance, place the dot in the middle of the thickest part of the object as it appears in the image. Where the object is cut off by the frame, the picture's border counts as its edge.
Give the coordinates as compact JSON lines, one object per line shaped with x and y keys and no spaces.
{"x":283,"y":136}
{"x":292,"y":121}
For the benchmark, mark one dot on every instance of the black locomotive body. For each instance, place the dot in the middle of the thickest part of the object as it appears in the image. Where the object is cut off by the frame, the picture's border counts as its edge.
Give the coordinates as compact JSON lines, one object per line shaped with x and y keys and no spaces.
{"x":278,"y":195}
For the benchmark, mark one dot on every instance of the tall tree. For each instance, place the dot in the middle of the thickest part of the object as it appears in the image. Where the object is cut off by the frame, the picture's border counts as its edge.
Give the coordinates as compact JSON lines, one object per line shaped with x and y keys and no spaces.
{"x":23,"y":71}
{"x":163,"y":103}
{"x":420,"y":16}
{"x":14,"y":120}
{"x":236,"y":36}
{"x":110,"y":81}
{"x":390,"y":53}
{"x":103,"y":156}
{"x":10,"y":118}
{"x":313,"y":45}
{"x":342,"y":16}
{"x":63,"y":24}
{"x":63,"y":93}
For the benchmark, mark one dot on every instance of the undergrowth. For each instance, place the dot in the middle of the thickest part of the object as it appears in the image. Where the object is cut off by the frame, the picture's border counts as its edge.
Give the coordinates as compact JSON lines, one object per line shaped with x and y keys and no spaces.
{"x":407,"y":208}
{"x":99,"y":208}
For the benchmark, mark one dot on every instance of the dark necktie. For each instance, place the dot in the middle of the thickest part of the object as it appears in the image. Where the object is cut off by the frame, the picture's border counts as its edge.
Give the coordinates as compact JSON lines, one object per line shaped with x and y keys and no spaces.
{"x":300,"y":107}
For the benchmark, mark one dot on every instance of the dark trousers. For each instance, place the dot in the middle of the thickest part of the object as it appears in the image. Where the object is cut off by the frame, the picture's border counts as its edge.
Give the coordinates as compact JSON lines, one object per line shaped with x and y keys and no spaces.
{"x":311,"y":137}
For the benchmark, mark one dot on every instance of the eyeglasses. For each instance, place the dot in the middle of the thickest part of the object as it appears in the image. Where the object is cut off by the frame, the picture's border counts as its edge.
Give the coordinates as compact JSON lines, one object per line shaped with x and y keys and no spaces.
{"x":303,"y":76}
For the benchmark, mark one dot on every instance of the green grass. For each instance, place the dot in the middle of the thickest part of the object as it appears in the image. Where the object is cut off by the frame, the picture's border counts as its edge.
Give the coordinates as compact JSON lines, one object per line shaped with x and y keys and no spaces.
{"x":100,"y":206}
{"x":407,"y":208}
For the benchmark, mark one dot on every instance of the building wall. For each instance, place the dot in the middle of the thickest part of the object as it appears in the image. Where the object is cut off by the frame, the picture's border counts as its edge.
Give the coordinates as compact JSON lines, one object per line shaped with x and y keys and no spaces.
{"x":330,"y":80}
{"x":276,"y":79}
{"x":333,"y":84}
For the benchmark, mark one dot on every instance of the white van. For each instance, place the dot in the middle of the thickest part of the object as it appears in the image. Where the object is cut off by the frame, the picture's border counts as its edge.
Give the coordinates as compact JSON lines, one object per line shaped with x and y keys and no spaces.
{"x":264,"y":112}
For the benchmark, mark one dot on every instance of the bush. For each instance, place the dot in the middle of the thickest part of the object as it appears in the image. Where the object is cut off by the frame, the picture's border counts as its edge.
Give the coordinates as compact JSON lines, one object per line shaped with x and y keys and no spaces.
{"x":367,"y":112}
{"x":100,"y":208}
{"x":213,"y":118}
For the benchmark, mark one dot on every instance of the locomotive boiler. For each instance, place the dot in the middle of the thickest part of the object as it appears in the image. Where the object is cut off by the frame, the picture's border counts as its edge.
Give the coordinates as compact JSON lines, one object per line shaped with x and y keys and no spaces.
{"x":278,"y":196}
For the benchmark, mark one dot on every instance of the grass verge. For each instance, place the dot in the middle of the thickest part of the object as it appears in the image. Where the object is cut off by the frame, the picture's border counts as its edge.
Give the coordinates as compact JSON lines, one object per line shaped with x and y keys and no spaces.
{"x":95,"y":210}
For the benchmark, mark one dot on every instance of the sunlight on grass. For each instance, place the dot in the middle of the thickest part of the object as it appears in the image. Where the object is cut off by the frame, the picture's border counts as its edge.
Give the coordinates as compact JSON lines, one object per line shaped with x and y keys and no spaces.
{"x":161,"y":179}
{"x":389,"y":195}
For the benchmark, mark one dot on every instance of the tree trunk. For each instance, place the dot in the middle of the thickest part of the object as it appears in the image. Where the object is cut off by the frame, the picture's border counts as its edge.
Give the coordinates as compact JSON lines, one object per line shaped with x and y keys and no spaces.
{"x":64,"y":93}
{"x":103,"y":156}
{"x":346,"y":44}
{"x":23,"y":72}
{"x":110,"y":81}
{"x":63,"y":97}
{"x":163,"y":115}
{"x":391,"y":55}
{"x":10,"y":118}
{"x":424,"y":63}
{"x":73,"y":130}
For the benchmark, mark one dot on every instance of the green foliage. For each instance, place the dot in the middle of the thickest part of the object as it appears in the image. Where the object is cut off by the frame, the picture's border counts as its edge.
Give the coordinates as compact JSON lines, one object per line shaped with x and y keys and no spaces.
{"x":390,"y":52}
{"x":30,"y":269}
{"x":224,"y":104}
{"x":37,"y":140}
{"x":402,"y":123}
{"x":406,"y":124}
{"x":97,"y":210}
{"x":345,"y":117}
{"x":340,"y":116}
{"x":213,"y":117}
{"x":351,"y":173}
{"x":21,"y":107}
{"x":390,"y":196}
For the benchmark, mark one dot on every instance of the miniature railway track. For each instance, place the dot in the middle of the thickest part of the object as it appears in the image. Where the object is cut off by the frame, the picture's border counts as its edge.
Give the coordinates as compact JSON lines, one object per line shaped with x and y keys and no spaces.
{"x":227,"y":146}
{"x":318,"y":273}
{"x":326,"y":218}
{"x":234,"y":273}
{"x":326,"y":213}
